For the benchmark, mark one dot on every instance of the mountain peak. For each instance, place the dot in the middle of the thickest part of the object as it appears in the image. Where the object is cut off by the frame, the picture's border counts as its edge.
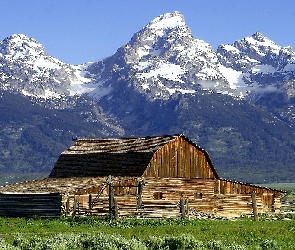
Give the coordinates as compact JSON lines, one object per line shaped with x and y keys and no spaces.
{"x":20,"y":39}
{"x":33,"y":71}
{"x":18,"y":45}
{"x":259,"y":37}
{"x":162,"y":35}
{"x":257,"y":46}
{"x":167,"y":21}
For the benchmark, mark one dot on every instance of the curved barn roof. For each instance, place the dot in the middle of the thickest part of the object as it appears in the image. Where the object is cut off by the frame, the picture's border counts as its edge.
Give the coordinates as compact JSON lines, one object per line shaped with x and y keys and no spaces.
{"x":117,"y":157}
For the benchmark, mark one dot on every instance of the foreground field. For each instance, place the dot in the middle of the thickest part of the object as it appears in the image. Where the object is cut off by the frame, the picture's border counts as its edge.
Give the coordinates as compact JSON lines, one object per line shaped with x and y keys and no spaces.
{"x":103,"y":233}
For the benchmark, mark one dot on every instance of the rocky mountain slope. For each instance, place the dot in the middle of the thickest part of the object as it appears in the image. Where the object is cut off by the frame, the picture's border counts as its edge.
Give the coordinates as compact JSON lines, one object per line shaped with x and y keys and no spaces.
{"x":237,"y":102}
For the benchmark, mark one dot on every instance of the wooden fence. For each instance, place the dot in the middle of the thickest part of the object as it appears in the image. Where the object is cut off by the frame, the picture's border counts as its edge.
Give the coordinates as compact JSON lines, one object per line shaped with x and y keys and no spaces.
{"x":169,"y":198}
{"x":147,"y":197}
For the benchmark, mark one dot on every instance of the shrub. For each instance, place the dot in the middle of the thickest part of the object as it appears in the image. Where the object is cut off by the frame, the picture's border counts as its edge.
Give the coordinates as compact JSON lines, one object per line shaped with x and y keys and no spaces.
{"x":215,"y":245}
{"x":80,"y":241}
{"x":5,"y":246}
{"x":269,"y":245}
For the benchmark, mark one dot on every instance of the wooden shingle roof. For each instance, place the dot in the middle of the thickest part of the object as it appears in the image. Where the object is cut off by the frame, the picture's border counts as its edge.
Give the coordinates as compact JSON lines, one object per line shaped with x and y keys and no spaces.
{"x":121,"y":145}
{"x":103,"y":157}
{"x":54,"y":185}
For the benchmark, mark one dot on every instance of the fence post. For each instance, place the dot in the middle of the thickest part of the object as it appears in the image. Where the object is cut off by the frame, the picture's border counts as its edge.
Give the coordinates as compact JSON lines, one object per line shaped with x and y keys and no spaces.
{"x":90,"y":204}
{"x":273,"y":203}
{"x":116,"y":209}
{"x":139,"y":195}
{"x":67,"y":208}
{"x":186,"y":208}
{"x":254,"y":206}
{"x":182,"y":210}
{"x":74,"y":208}
{"x":111,"y":195}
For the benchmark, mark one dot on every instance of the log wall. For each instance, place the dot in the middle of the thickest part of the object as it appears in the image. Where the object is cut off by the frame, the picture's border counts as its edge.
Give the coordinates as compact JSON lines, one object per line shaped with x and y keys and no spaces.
{"x":30,"y":205}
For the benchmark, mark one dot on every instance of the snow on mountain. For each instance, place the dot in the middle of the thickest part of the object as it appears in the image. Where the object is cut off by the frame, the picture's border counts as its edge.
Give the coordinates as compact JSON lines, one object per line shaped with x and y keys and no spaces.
{"x":164,"y":59}
{"x":173,"y":59}
{"x":161,"y":60}
{"x":249,"y":52}
{"x":166,"y":21}
{"x":82,"y":84}
{"x":257,"y":64}
{"x":235,"y":79}
{"x":25,"y":67}
{"x":258,"y":46}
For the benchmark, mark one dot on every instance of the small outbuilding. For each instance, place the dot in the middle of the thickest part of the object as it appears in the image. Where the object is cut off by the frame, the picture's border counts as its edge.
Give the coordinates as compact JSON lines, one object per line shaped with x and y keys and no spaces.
{"x":161,"y":176}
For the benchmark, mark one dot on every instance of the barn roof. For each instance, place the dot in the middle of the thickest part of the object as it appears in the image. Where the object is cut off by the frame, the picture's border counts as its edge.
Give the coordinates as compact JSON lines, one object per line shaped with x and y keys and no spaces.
{"x":121,"y":145}
{"x":117,"y":157}
{"x":54,"y":185}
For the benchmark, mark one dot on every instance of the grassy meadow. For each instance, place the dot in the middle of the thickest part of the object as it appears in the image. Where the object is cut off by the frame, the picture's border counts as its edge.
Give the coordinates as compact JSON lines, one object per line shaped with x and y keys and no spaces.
{"x":289,"y":187}
{"x":105,"y":233}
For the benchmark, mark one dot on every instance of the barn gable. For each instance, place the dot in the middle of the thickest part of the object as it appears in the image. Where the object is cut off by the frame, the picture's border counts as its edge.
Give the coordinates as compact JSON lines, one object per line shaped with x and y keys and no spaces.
{"x":180,"y":157}
{"x":160,"y":156}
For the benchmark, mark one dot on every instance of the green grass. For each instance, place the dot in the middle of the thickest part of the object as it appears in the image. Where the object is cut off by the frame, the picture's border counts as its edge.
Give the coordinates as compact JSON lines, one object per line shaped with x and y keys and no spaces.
{"x":243,"y":232}
{"x":281,"y":186}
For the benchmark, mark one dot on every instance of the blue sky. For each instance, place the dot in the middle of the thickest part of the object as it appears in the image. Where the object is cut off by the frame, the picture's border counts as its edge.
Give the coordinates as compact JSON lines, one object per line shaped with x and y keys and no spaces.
{"x":79,"y":31}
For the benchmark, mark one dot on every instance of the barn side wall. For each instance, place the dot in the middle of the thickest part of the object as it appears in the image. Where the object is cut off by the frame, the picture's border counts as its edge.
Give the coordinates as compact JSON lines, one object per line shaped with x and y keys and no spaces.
{"x":179,"y":158}
{"x":235,"y":197}
{"x":30,"y":205}
{"x":232,"y":199}
{"x":233,"y":187}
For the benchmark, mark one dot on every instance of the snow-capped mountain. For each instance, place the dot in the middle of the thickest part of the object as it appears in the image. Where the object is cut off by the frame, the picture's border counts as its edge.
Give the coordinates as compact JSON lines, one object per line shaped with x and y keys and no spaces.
{"x":163,"y":59}
{"x":257,"y":65}
{"x":25,"y":67}
{"x":163,"y":81}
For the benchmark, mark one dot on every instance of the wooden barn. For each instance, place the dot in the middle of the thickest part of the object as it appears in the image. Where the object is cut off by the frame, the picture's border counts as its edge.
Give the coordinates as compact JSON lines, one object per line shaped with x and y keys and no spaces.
{"x":162,"y":176}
